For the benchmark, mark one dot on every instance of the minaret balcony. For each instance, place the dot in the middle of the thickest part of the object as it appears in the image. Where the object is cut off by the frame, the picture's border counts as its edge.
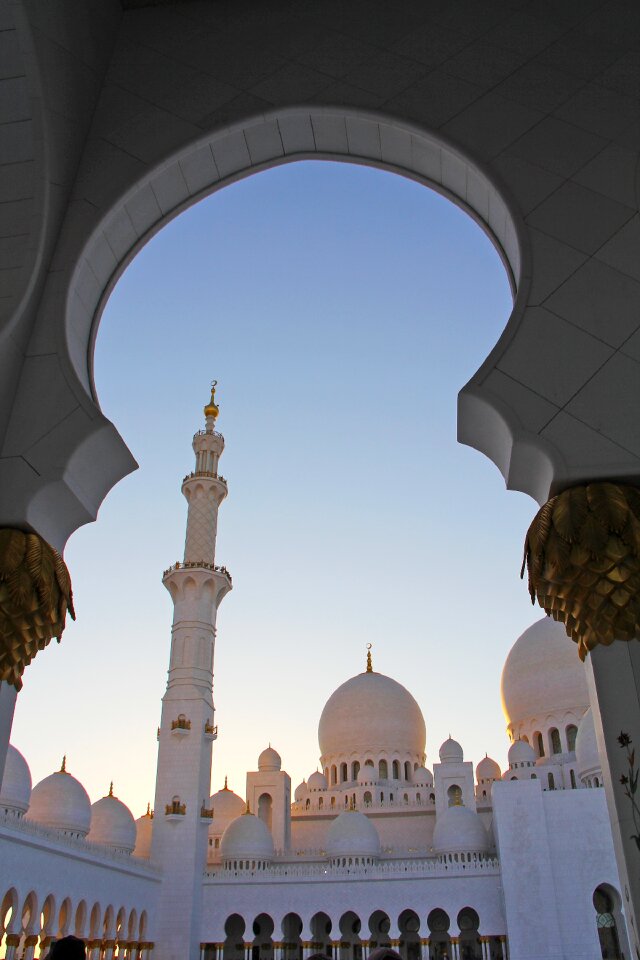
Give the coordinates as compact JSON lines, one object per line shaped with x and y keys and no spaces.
{"x":213,"y":482}
{"x":206,"y":813}
{"x":198,"y":565}
{"x":206,"y":473}
{"x":181,"y":726}
{"x":210,"y":731}
{"x":175,"y":810}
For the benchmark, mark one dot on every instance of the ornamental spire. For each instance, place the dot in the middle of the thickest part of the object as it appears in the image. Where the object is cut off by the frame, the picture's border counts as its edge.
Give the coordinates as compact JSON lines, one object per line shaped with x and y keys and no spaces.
{"x":63,"y":768}
{"x":111,"y":789}
{"x":212,"y":409}
{"x":369,"y":664}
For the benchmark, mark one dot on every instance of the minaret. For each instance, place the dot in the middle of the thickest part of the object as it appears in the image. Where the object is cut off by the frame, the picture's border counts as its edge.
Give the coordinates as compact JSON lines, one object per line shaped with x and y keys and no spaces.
{"x":187,"y":730}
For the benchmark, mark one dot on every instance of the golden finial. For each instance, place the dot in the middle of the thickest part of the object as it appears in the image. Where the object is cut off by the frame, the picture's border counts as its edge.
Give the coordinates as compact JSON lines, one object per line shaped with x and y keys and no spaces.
{"x":369,"y":664}
{"x":63,"y":768}
{"x":148,"y":813}
{"x":247,"y":812}
{"x":352,"y":804}
{"x":225,"y":784}
{"x":212,"y":409}
{"x":111,"y":789}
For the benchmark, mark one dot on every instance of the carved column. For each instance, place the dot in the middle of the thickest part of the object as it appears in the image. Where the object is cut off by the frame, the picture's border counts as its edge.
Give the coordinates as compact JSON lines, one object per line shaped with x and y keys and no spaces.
{"x":30,"y":946}
{"x":455,"y":951}
{"x":12,"y":941}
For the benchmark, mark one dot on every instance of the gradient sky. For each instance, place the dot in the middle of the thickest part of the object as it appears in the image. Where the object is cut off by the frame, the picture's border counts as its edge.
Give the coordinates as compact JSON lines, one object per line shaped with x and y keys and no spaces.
{"x":341,"y":308}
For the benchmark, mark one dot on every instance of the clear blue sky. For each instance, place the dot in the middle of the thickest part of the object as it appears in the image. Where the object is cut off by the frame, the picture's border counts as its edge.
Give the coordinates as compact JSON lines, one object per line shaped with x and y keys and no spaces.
{"x":341,"y":308}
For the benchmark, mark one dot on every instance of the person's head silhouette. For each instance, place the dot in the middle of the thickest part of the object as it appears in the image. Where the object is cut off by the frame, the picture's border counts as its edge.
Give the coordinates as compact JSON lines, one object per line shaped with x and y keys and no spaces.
{"x":69,"y":948}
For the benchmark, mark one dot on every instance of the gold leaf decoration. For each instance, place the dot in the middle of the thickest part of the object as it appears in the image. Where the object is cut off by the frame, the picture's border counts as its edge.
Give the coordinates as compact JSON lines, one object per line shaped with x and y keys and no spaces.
{"x":582,"y":554}
{"x":35,"y":597}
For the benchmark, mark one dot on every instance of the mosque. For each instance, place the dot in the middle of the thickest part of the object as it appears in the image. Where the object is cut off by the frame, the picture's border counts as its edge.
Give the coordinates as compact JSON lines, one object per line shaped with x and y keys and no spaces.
{"x":373,"y":848}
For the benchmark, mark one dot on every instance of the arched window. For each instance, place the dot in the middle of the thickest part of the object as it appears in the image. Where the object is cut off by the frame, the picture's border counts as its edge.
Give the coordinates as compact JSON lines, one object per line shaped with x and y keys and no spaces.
{"x":334,"y":775}
{"x":606,"y":924}
{"x":396,"y":770}
{"x":265,"y":809}
{"x":418,"y":798}
{"x":432,"y":797}
{"x":551,"y":781}
{"x":406,"y":798}
{"x":554,"y":740}
{"x":383,"y":772}
{"x":326,"y":774}
{"x":344,"y":772}
{"x":381,"y":797}
{"x":454,"y":795}
{"x":525,"y":738}
{"x":596,"y":782}
{"x":572,"y":733}
{"x":538,"y":744}
{"x":407,"y":770}
{"x":368,"y":799}
{"x":534,"y":776}
{"x":320,"y":803}
{"x":333,"y":801}
{"x":307,"y":803}
{"x":355,"y":770}
{"x":572,"y":777}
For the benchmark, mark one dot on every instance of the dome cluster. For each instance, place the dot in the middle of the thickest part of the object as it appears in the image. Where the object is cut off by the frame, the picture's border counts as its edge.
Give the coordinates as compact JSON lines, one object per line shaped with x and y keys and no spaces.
{"x":60,"y":803}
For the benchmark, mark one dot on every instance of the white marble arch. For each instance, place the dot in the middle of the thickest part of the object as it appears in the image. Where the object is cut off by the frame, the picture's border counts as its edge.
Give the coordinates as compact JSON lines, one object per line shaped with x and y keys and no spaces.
{"x":76,"y":296}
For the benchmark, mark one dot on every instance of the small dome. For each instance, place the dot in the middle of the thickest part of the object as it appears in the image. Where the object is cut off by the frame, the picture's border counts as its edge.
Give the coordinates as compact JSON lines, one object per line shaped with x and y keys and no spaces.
{"x":112,"y":824}
{"x":521,"y":752}
{"x":352,"y":834}
{"x":269,"y":760}
{"x":422,"y":777}
{"x":371,"y":713}
{"x":587,"y":756}
{"x":542,"y":674}
{"x":144,"y":835}
{"x":459,"y":830}
{"x":61,"y":802}
{"x":317,"y":781}
{"x":300,"y":791}
{"x":488,"y":769}
{"x":226,"y":804}
{"x":247,"y":838}
{"x":16,"y":783}
{"x":451,"y":752}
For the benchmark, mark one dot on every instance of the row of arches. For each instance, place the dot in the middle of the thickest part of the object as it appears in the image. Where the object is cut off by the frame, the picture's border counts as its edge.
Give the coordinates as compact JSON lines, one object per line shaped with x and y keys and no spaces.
{"x":558,"y":740}
{"x":436,"y":937}
{"x":369,"y":798}
{"x":28,"y":927}
{"x":384,"y":770}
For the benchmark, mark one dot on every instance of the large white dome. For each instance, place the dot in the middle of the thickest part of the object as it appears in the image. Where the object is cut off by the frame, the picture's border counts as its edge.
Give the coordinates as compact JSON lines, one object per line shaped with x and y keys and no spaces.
{"x":542,"y":675}
{"x":459,"y":830}
{"x":112,"y":824}
{"x":371,"y":713}
{"x":226,"y":804}
{"x":247,"y":838}
{"x":16,"y":783}
{"x":352,"y":835}
{"x":61,"y":802}
{"x":488,"y":769}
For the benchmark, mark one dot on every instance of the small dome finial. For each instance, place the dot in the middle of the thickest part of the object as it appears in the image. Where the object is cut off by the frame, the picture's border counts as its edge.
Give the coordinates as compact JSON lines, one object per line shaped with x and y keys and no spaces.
{"x":247,"y":812}
{"x":212,"y":409}
{"x":111,"y":789}
{"x":225,"y":783}
{"x":148,"y":813}
{"x":369,"y":664}
{"x":63,"y":768}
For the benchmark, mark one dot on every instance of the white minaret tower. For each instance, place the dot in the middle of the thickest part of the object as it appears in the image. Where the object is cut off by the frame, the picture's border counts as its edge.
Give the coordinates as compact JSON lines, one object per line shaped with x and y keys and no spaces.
{"x":187,"y":730}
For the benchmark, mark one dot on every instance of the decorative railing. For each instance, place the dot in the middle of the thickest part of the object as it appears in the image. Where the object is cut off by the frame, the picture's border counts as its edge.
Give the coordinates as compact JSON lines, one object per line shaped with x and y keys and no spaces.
{"x":211,"y":474}
{"x":210,"y":729}
{"x":197,"y":564}
{"x":181,"y":723}
{"x":49,"y":834}
{"x":300,"y":806}
{"x":418,"y":866}
{"x":210,"y":433}
{"x":206,"y":813}
{"x":175,"y":809}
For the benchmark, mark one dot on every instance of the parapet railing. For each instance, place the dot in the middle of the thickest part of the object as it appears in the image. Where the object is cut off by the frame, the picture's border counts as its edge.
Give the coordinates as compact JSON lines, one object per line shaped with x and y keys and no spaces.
{"x":205,"y":473}
{"x":197,"y":565}
{"x":61,"y":837}
{"x":418,"y":866}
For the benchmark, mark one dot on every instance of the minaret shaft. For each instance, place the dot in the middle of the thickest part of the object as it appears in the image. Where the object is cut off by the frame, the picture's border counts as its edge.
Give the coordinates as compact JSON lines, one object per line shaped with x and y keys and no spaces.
{"x":187,"y":730}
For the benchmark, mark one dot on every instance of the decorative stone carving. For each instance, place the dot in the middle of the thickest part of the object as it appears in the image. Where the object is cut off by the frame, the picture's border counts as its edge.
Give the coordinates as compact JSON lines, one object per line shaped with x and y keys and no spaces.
{"x":35,"y":596}
{"x":582,"y":553}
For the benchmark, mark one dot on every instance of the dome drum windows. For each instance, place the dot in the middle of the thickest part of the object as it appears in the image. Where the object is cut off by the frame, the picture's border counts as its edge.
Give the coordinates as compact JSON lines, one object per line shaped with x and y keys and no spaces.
{"x":554,"y":741}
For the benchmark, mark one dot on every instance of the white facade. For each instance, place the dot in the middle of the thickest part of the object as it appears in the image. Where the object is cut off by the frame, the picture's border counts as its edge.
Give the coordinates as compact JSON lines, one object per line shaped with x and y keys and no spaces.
{"x":375,"y":849}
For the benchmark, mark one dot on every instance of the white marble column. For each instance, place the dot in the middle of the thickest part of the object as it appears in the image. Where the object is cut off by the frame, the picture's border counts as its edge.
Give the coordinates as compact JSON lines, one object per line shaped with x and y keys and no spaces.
{"x":613,"y":676}
{"x":424,"y":948}
{"x":455,"y":950}
{"x":485,"y":948}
